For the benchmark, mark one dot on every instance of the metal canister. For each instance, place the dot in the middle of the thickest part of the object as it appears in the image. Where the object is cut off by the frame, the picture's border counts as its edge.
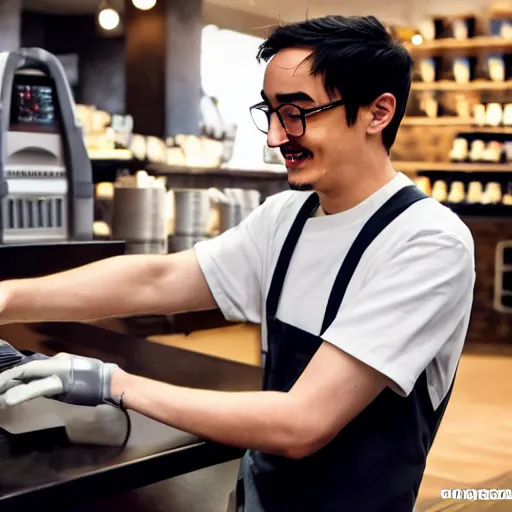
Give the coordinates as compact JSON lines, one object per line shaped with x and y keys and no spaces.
{"x":191,"y":212}
{"x":230,"y":215}
{"x":178,"y":243}
{"x":139,"y":218}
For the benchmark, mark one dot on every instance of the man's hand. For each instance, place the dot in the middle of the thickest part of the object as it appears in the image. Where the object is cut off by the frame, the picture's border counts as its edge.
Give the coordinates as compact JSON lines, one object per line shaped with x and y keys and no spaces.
{"x":67,"y":378}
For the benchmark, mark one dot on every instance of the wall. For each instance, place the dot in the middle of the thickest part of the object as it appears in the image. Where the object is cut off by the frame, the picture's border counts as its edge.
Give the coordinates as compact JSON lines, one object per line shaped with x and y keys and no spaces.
{"x":9,"y":24}
{"x":488,"y":326}
{"x":269,"y":12}
{"x":101,"y":59}
{"x":239,"y":21}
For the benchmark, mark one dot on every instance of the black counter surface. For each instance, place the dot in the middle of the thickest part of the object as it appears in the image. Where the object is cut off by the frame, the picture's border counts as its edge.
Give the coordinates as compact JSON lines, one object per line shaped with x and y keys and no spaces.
{"x":60,"y":475}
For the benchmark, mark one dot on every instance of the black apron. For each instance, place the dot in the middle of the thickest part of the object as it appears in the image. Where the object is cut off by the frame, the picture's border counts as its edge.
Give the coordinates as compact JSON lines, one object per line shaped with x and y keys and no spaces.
{"x":376,"y":462}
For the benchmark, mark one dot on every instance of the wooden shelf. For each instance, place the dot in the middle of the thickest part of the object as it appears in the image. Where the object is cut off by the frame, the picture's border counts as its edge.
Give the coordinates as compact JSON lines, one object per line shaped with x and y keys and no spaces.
{"x":279,"y":174}
{"x":411,"y":167}
{"x":436,"y":121}
{"x":267,"y":182}
{"x":468,"y":124}
{"x":499,"y":211}
{"x":450,"y":45}
{"x":451,"y":86}
{"x":166,"y":170}
{"x":501,"y":130}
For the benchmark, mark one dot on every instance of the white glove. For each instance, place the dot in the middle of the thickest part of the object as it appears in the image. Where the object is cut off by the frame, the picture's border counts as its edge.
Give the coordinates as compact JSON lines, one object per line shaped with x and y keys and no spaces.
{"x":67,"y":378}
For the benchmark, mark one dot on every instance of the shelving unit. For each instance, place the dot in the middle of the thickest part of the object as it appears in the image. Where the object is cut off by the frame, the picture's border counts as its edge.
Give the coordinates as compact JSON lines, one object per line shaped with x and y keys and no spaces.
{"x":267,"y":182}
{"x":437,"y":121}
{"x":455,"y":121}
{"x":474,"y":45}
{"x":499,"y":130}
{"x":480,"y":211}
{"x":424,"y":145}
{"x":412,"y":167}
{"x":451,"y":86}
{"x":166,"y":170}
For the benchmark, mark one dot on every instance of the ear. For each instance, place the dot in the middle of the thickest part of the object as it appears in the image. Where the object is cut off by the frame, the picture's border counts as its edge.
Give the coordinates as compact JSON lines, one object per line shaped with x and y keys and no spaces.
{"x":382,"y":112}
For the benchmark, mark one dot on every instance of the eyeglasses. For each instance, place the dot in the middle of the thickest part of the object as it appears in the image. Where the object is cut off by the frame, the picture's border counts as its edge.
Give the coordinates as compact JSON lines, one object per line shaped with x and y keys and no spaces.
{"x":292,"y":117}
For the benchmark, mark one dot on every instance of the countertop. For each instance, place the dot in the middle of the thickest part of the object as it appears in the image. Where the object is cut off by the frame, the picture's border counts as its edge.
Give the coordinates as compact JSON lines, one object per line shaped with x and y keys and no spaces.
{"x":154,"y":451}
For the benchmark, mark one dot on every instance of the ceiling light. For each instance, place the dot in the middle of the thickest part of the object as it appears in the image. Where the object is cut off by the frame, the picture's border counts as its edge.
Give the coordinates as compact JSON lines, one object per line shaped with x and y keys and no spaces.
{"x":144,"y":5}
{"x":108,"y":18}
{"x":417,"y":39}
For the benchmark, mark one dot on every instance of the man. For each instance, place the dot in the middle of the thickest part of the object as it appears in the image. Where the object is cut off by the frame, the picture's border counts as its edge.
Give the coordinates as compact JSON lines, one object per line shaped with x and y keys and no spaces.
{"x":363,"y":287}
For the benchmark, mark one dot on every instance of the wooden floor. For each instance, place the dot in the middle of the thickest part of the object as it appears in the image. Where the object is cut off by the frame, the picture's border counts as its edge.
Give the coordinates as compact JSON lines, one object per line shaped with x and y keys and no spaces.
{"x":474,"y":445}
{"x":473,"y":448}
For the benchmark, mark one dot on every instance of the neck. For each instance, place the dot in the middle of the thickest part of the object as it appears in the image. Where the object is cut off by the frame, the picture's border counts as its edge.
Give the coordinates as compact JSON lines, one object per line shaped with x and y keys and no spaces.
{"x":355,"y":184}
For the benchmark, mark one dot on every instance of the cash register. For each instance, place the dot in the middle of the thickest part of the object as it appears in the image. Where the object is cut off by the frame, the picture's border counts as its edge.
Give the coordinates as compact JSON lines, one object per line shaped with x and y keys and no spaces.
{"x":46,"y":224}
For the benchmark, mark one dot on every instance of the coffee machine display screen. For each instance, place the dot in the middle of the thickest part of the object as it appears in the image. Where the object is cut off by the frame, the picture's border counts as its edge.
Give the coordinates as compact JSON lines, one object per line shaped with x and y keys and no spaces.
{"x":33,"y":106}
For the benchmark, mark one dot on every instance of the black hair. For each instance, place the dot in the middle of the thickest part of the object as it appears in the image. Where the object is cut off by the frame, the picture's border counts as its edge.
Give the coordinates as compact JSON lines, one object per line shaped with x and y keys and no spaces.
{"x":356,"y":56}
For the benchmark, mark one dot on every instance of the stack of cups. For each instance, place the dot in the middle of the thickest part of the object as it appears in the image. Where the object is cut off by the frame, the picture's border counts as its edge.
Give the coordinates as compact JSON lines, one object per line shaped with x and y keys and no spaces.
{"x":237,"y":206}
{"x":191,"y":217}
{"x":139,"y":214}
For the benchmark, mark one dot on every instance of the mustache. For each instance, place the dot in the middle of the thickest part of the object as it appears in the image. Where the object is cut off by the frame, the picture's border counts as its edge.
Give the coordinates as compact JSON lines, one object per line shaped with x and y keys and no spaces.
{"x":288,"y":147}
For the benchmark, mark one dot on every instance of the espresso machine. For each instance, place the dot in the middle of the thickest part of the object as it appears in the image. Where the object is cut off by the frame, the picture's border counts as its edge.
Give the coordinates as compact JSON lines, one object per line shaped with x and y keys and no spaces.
{"x":46,"y":183}
{"x":46,"y":224}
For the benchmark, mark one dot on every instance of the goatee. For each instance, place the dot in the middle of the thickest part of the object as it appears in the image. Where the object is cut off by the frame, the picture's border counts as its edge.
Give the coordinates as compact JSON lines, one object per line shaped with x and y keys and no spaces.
{"x":300,"y":187}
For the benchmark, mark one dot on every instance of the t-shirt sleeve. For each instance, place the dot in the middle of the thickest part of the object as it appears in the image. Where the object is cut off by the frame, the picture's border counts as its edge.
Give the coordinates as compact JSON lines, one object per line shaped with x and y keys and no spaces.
{"x":233,"y":263}
{"x":408,"y":310}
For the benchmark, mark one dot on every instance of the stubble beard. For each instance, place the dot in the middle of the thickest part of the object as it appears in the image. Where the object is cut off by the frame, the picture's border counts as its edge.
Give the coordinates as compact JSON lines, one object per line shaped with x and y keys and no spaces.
{"x":300,"y":187}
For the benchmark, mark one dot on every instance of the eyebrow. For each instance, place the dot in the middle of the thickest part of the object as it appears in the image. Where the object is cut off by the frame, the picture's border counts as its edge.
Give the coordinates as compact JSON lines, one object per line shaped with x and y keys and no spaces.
{"x":290,"y":97}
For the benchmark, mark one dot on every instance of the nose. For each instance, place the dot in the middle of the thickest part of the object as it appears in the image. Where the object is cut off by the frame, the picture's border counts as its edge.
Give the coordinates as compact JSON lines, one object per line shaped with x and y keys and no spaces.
{"x":277,"y":135}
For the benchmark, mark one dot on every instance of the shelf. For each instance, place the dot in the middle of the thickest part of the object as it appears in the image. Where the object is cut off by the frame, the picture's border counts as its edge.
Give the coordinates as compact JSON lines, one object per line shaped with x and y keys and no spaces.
{"x":279,"y":174}
{"x":481,"y":210}
{"x":436,"y":121}
{"x":267,"y":182}
{"x":450,"y":45}
{"x":501,"y":130}
{"x":455,"y":121}
{"x":165,"y":170}
{"x":449,"y":86}
{"x":409,"y":167}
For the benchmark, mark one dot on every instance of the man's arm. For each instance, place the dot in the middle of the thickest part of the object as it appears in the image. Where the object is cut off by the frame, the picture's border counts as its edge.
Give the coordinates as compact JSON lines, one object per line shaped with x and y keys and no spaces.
{"x":228,"y":265}
{"x":114,"y":287}
{"x":332,"y":391}
{"x":385,"y":337}
{"x":334,"y":388}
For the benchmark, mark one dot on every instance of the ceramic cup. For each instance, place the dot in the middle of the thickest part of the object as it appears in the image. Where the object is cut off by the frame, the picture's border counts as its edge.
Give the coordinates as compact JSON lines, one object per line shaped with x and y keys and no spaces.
{"x":440,"y":191}
{"x":475,"y":191}
{"x":457,"y":192}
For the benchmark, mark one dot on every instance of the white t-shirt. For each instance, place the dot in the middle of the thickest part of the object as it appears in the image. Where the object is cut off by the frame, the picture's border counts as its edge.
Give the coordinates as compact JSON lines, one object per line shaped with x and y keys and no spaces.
{"x":407,"y":307}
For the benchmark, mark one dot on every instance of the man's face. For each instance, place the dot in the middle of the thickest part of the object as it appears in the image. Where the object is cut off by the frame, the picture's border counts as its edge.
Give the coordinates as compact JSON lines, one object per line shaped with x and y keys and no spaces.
{"x":315,"y":159}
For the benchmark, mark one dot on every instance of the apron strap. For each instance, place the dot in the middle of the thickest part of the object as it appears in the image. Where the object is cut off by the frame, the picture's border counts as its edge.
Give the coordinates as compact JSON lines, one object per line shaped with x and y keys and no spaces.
{"x":384,"y":216}
{"x":276,"y":286}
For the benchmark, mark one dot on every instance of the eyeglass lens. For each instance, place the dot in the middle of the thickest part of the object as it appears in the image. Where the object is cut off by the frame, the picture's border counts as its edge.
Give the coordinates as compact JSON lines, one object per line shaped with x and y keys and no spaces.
{"x":290,"y":115}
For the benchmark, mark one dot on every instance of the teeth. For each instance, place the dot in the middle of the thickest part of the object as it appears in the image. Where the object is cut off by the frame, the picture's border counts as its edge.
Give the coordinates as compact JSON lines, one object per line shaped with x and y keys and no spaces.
{"x":297,"y":156}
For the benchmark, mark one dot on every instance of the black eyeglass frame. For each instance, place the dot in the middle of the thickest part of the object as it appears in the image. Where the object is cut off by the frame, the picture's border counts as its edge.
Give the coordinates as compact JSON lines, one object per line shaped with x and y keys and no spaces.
{"x":304,"y":112}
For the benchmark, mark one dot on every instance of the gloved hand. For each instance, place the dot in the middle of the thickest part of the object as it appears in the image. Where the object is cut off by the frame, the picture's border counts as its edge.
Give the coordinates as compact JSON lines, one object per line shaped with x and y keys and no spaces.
{"x":68,"y":378}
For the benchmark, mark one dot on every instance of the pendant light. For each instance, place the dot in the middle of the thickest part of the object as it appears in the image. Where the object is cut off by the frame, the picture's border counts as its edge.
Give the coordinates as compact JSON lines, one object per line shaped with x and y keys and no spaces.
{"x":108,"y":18}
{"x":144,"y":5}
